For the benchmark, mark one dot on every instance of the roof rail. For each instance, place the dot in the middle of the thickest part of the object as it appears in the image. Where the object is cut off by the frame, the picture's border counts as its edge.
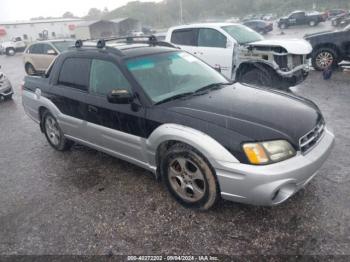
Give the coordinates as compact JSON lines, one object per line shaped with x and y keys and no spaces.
{"x":151,"y":40}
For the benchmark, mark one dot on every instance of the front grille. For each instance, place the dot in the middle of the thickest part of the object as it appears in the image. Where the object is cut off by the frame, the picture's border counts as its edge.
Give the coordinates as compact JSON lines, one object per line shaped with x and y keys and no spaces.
{"x":8,"y":90}
{"x":281,"y":61}
{"x":309,"y":140}
{"x":297,"y":60}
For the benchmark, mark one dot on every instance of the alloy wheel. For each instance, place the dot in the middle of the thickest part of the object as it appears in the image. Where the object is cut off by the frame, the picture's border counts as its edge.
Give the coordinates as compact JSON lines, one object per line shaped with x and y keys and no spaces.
{"x":324,"y":59}
{"x":186,"y":179}
{"x":52,"y":131}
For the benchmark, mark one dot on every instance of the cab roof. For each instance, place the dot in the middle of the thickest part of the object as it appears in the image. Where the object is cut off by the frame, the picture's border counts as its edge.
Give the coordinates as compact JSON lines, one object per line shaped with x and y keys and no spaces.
{"x":124,"y":50}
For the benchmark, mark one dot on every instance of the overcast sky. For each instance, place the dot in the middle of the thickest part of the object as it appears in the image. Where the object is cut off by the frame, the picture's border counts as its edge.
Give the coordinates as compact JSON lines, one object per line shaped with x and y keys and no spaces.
{"x":26,"y":9}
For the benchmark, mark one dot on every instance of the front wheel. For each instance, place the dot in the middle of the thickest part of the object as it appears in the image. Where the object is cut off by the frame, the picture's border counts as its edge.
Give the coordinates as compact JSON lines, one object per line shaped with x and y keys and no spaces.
{"x":54,"y":134}
{"x":30,"y":70}
{"x":324,"y":58}
{"x":283,"y":26}
{"x":189,"y":177}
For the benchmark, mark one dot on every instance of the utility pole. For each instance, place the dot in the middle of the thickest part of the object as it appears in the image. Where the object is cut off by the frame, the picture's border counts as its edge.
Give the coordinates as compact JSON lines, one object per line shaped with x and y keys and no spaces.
{"x":181,"y":13}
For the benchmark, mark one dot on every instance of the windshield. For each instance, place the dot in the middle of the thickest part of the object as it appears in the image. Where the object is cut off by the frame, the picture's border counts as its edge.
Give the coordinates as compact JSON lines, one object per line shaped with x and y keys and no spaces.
{"x":242,"y":34}
{"x":63,"y":46}
{"x":168,"y":75}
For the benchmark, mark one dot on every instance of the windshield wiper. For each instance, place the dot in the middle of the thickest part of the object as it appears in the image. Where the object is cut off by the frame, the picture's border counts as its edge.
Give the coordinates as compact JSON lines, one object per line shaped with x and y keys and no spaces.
{"x":174,"y":97}
{"x":213,"y":86}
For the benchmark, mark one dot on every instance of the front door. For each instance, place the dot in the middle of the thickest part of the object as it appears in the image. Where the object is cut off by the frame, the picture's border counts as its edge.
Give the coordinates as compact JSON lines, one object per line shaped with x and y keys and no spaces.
{"x":213,"y":49}
{"x":115,"y":128}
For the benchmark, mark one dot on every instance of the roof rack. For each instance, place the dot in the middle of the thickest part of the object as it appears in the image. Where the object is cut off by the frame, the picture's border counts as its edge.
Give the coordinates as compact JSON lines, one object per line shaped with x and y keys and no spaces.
{"x":151,"y":40}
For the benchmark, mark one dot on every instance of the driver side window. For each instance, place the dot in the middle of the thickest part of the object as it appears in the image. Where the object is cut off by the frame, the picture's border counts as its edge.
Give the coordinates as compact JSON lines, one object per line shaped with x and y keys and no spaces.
{"x":105,"y":77}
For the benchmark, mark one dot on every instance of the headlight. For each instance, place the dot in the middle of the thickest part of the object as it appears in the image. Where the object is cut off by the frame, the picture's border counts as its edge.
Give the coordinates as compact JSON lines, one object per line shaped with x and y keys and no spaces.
{"x":268,"y":152}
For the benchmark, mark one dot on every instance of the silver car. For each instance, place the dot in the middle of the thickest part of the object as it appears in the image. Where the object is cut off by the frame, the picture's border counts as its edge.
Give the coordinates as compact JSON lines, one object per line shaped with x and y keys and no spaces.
{"x":6,"y":90}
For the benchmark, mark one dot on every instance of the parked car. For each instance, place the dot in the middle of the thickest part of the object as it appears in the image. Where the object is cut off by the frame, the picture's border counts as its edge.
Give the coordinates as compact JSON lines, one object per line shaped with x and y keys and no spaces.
{"x":38,"y":56}
{"x":168,"y":112}
{"x":6,"y":90}
{"x":259,"y":26}
{"x":269,"y":17}
{"x":10,"y":48}
{"x":160,"y":36}
{"x":335,"y":12}
{"x":301,"y":18}
{"x":338,"y":20}
{"x":329,"y":48}
{"x":243,"y":55}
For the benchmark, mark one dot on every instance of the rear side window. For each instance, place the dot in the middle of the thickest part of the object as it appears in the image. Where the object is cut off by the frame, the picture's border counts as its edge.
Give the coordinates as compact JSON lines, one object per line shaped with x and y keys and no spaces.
{"x":47,"y":48}
{"x":75,"y":73}
{"x":105,"y":77}
{"x":211,"y":38}
{"x":36,"y":49}
{"x":184,"y":37}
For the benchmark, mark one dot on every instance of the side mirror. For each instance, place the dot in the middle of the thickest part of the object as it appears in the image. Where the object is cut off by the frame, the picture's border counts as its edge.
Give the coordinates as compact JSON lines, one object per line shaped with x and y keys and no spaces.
{"x":120,"y":96}
{"x":51,"y":52}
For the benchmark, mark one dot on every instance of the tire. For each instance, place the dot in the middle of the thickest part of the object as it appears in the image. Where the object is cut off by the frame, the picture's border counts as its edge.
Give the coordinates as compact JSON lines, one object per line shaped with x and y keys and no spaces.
{"x":283,"y":26}
{"x":189,"y":177}
{"x":10,"y":51}
{"x":54,"y":134}
{"x":312,"y":23}
{"x":258,"y":77}
{"x":324,"y":58}
{"x":9,"y":97}
{"x":30,"y":70}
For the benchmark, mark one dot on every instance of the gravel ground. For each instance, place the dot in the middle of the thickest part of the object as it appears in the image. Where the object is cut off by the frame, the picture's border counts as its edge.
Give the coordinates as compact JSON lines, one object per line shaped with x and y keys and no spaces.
{"x":86,"y":202}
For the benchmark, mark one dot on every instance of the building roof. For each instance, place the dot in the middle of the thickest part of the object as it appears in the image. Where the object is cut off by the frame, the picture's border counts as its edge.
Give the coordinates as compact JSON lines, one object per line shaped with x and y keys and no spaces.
{"x":54,"y":20}
{"x":91,"y":22}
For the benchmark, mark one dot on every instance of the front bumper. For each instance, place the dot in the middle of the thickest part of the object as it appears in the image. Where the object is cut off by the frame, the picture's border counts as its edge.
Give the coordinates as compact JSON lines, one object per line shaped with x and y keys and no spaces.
{"x":5,"y":88}
{"x":272,"y":184}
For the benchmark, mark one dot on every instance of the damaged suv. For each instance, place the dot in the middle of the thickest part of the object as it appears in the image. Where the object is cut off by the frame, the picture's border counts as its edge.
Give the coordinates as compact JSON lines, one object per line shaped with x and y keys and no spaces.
{"x":242,"y":54}
{"x":172,"y":114}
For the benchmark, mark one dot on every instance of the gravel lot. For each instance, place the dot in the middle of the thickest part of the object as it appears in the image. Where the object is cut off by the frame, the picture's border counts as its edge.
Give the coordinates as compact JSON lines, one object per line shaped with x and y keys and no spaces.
{"x":86,"y":202}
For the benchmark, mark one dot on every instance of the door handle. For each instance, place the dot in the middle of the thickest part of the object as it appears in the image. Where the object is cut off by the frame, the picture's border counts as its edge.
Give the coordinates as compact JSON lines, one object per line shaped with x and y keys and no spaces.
{"x":92,"y":109}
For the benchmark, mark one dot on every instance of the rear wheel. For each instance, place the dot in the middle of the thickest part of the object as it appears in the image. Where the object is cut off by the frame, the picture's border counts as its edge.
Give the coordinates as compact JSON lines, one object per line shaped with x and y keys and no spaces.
{"x":10,"y":51}
{"x":54,"y":134}
{"x":324,"y":58}
{"x":189,"y":177}
{"x":312,"y":23}
{"x":30,"y":70}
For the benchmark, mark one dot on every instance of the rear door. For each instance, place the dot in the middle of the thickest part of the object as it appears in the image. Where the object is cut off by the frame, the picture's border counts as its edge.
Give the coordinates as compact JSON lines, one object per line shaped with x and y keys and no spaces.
{"x":113,"y":127}
{"x":213,"y":49}
{"x":34,"y":53}
{"x":186,"y":39}
{"x":72,"y":83}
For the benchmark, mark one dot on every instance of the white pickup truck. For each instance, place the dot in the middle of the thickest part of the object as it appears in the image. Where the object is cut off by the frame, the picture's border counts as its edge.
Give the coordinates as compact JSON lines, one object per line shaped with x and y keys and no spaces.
{"x":242,"y":54}
{"x":11,"y":47}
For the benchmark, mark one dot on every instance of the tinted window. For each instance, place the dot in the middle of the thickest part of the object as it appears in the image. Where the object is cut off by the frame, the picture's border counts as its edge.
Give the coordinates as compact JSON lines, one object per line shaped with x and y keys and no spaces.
{"x":106,"y":76}
{"x":75,"y":73}
{"x":36,"y":49}
{"x":184,"y":37}
{"x":46,"y":48}
{"x":211,"y":38}
{"x":63,"y":45}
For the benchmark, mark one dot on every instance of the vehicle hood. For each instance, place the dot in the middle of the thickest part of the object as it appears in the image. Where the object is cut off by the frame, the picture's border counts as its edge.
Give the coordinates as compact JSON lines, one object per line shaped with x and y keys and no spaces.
{"x":293,"y":46}
{"x":256,"y":113}
{"x":318,"y":34}
{"x":6,"y":44}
